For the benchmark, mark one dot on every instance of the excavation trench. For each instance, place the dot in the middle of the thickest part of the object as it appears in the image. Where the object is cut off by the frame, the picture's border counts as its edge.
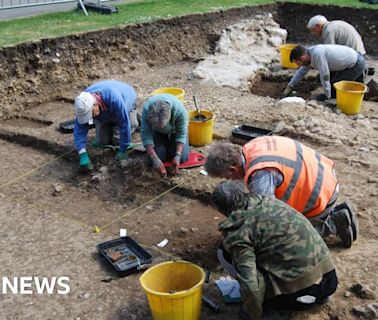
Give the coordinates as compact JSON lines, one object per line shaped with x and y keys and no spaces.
{"x":32,"y":74}
{"x":270,"y":85}
{"x":113,"y":197}
{"x":38,"y":94}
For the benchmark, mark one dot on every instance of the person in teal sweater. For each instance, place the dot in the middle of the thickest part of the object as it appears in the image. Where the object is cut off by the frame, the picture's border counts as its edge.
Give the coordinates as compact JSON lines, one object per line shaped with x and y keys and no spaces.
{"x":164,"y":131}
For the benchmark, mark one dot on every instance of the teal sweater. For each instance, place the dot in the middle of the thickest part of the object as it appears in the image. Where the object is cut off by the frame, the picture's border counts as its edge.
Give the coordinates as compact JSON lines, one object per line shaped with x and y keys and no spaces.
{"x":178,"y":124}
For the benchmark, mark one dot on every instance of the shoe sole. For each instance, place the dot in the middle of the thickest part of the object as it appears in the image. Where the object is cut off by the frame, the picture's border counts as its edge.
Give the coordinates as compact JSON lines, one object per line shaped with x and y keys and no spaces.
{"x":344,"y":228}
{"x":352,"y":215}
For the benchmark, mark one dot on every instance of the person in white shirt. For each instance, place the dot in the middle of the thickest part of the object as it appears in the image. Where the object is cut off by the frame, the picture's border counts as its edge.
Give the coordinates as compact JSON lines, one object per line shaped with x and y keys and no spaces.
{"x":334,"y":63}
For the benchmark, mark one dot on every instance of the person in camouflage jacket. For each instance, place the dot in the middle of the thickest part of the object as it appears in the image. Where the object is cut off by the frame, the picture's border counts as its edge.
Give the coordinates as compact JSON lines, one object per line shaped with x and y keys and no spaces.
{"x":279,"y":257}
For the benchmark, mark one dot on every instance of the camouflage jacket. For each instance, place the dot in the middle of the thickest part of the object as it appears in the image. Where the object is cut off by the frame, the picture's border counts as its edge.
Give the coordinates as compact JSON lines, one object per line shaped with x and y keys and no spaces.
{"x":275,"y":250}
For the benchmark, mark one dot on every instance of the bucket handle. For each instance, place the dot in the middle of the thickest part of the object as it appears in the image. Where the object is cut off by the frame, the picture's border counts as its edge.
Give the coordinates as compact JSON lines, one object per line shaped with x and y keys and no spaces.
{"x":366,"y":90}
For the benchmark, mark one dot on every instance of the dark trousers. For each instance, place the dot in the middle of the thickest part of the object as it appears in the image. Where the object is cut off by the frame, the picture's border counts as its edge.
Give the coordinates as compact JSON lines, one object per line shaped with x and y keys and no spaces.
{"x":355,"y":73}
{"x":321,"y":291}
{"x":165,"y":147}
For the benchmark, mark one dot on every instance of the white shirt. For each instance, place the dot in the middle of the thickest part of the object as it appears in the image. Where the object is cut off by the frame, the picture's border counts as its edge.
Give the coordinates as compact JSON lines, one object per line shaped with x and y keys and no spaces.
{"x":326,"y":58}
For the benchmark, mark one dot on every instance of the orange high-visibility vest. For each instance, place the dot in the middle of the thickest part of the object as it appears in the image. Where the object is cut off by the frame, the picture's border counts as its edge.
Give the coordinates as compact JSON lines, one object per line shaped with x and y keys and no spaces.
{"x":308,"y":179}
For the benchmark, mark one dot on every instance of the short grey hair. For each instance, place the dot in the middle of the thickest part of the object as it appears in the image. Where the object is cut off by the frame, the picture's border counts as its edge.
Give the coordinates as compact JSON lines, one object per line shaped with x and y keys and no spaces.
{"x":221,"y":157}
{"x":230,"y":196}
{"x":318,"y":19}
{"x":159,"y":114}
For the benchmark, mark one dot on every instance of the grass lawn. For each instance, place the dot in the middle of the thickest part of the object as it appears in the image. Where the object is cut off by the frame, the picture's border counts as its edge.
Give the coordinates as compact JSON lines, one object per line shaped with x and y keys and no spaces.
{"x":63,"y":23}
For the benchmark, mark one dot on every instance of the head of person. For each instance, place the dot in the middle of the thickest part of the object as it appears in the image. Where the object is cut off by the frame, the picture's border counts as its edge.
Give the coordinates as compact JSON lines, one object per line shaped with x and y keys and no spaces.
{"x":300,"y":56}
{"x":159,"y":114}
{"x":86,"y":107}
{"x":224,"y":160}
{"x":316,"y":24}
{"x":230,"y":196}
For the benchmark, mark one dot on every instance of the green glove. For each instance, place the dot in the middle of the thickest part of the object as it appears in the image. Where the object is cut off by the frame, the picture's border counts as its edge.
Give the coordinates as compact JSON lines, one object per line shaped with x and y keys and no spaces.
{"x":85,"y":161}
{"x":121,"y":155}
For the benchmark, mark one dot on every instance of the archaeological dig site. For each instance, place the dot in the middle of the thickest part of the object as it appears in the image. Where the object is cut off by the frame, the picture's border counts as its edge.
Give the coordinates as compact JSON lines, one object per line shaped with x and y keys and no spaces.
{"x":190,"y":161}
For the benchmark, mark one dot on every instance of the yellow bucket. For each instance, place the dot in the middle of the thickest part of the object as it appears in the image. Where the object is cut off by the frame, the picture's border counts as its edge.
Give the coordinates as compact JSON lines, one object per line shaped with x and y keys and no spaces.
{"x":349,"y":96}
{"x":177,"y":92}
{"x":201,"y":132}
{"x":174,"y":290}
{"x":285,"y":50}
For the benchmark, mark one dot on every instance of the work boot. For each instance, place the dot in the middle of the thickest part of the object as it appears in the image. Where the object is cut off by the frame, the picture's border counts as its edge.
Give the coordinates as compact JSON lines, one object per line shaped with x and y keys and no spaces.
{"x":344,"y":229}
{"x":324,"y":300}
{"x":352,"y":214}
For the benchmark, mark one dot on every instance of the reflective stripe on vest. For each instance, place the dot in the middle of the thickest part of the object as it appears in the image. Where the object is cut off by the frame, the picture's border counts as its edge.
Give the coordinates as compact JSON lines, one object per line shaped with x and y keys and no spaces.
{"x":318,"y":185}
{"x":314,"y":200}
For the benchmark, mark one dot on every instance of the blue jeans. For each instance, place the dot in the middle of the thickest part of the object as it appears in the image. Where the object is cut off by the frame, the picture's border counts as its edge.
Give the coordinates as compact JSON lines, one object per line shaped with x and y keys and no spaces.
{"x":165,"y":147}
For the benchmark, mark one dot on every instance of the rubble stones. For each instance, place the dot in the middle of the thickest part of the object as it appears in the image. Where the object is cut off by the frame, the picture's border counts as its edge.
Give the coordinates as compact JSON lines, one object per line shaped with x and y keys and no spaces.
{"x":363,"y":291}
{"x":243,"y":49}
{"x":372,"y":94}
{"x":57,"y":189}
{"x":369,"y":311}
{"x":184,"y":230}
{"x":299,"y":124}
{"x":97,"y":177}
{"x":291,"y":102}
{"x":372,"y":180}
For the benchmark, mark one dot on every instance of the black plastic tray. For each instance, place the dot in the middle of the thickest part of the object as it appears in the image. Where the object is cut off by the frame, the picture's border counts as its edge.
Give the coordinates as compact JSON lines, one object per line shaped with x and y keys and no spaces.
{"x":68,"y":126}
{"x":130,"y":248}
{"x":248,"y":133}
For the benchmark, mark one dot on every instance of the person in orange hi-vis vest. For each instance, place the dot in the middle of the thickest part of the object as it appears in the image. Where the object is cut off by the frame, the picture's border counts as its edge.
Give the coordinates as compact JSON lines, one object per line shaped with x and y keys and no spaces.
{"x":292,"y":172}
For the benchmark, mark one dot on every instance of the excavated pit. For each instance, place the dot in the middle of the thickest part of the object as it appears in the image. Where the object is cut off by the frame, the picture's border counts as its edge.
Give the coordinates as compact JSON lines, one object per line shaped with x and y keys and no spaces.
{"x":273,"y":86}
{"x":37,"y":94}
{"x":44,"y":99}
{"x":32,"y":74}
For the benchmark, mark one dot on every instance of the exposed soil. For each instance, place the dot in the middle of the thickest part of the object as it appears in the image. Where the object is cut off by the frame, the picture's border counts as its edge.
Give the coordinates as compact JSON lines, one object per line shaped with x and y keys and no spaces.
{"x":33,"y":73}
{"x":48,"y":207}
{"x":364,"y":20}
{"x":26,"y":122}
{"x":270,"y":86}
{"x":99,"y":200}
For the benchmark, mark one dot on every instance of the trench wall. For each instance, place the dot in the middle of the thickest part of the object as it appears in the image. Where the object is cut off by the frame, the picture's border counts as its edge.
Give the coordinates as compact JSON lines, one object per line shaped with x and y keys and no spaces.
{"x":36,"y":72}
{"x":294,"y":18}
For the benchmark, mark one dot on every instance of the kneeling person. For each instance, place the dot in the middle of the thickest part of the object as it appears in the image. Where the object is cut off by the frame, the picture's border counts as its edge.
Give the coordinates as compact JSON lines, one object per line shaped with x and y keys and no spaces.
{"x":280,"y":259}
{"x":164,"y":131}
{"x":292,"y":172}
{"x":111,"y":104}
{"x":334,"y":63}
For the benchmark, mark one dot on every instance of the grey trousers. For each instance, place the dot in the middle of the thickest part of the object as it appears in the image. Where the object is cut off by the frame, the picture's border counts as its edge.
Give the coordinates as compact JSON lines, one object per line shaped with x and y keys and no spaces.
{"x":324,"y":223}
{"x":108,"y":132}
{"x":356,"y":73}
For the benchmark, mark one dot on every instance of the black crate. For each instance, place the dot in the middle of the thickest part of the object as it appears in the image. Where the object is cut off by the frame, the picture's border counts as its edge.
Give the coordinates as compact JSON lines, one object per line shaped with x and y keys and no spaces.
{"x":68,"y":126}
{"x":248,"y":133}
{"x":135,"y":257}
